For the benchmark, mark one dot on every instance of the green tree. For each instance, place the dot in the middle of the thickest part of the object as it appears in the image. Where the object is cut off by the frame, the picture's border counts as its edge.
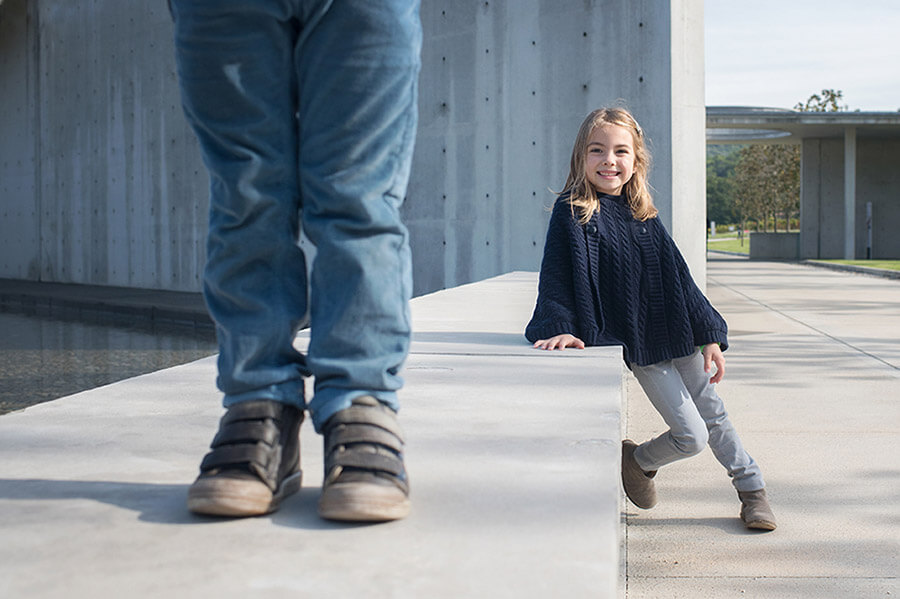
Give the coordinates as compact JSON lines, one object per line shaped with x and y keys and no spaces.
{"x":750,"y":193}
{"x":767,"y":183}
{"x":720,"y":203}
{"x":828,"y":101}
{"x":761,"y":182}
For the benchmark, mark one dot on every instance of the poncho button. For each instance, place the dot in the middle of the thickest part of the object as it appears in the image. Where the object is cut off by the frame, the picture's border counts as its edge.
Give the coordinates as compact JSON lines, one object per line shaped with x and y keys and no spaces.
{"x":591,"y":229}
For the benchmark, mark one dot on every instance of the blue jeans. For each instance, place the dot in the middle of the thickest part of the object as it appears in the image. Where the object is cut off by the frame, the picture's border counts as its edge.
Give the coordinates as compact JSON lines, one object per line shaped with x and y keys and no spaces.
{"x":680,"y":391}
{"x":306,"y":115}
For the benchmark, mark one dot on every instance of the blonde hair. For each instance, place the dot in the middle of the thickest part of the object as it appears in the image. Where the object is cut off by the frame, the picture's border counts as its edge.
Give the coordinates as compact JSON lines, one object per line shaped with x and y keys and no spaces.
{"x":582,"y":195}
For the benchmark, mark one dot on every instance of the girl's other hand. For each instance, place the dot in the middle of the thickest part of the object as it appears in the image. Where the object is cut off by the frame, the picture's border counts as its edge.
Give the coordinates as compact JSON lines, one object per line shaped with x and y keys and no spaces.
{"x":712,"y":353}
{"x":559,"y":342}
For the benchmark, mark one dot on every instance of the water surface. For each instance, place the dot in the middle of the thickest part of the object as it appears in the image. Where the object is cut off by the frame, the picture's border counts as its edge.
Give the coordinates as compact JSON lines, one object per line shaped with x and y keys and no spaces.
{"x":46,"y":357}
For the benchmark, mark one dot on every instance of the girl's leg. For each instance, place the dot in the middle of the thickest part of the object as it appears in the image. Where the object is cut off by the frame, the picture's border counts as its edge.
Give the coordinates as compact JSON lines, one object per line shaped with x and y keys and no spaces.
{"x":687,"y":434}
{"x":723,"y":438}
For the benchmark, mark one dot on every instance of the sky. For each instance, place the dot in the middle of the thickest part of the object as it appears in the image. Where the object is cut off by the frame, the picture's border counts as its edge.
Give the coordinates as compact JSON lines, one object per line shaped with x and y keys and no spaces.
{"x":778,"y":53}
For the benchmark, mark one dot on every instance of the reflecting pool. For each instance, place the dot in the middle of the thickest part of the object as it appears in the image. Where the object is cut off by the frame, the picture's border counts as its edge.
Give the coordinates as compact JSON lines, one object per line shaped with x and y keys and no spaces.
{"x":44,"y":357}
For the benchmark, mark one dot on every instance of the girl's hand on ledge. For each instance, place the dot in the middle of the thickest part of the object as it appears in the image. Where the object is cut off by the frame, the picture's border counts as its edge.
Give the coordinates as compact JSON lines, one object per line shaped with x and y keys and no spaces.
{"x":559,"y":342}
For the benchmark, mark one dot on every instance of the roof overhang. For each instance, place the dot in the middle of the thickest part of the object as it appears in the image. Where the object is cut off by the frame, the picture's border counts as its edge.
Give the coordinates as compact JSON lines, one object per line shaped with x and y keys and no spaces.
{"x":741,"y":124}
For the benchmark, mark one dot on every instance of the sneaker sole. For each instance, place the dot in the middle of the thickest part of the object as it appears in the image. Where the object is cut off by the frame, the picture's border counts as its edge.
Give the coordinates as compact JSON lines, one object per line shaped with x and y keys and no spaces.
{"x":238,"y":498}
{"x":363,"y":502}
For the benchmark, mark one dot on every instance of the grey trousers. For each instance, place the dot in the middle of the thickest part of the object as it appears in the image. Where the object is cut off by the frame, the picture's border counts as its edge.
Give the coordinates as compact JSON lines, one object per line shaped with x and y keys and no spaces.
{"x":680,"y":391}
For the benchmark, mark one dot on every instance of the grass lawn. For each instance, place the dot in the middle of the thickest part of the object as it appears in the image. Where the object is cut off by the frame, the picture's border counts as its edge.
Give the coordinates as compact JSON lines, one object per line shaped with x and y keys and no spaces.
{"x":729,"y":244}
{"x":885,"y":264}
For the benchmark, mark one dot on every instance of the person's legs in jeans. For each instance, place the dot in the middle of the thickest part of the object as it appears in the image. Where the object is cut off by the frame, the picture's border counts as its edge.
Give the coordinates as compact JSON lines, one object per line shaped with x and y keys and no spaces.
{"x":235,"y":66}
{"x":357,"y":72}
{"x":246,"y":71}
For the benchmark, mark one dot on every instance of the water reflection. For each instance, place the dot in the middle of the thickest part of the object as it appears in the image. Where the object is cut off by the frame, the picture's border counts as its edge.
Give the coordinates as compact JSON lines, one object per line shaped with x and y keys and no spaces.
{"x":43,"y":358}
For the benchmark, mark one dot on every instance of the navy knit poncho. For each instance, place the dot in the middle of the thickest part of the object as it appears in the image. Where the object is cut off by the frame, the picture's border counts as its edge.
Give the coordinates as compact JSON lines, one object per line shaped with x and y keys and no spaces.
{"x":619,"y":281}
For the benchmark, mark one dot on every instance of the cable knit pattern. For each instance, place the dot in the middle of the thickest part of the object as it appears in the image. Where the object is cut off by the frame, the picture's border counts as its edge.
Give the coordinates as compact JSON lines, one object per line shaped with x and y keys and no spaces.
{"x":620,"y":281}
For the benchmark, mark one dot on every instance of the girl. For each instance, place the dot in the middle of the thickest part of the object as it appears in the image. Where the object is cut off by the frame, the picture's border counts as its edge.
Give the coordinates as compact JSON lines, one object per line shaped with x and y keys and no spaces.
{"x":611,"y":275}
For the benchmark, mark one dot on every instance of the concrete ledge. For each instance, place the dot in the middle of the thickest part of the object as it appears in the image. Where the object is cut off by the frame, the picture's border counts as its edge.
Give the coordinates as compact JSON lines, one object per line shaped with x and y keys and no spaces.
{"x":513,"y":457}
{"x":774,"y":246}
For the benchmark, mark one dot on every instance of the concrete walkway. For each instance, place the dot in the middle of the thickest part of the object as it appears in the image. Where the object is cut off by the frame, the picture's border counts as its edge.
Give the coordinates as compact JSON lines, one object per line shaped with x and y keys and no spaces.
{"x":813,"y":386}
{"x":512,"y":453}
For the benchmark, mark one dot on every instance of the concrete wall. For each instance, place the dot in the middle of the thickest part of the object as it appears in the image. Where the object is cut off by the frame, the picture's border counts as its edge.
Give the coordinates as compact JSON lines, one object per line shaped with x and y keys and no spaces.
{"x":504,"y":87}
{"x":822,"y":197}
{"x":19,"y":211}
{"x":877,"y":181}
{"x":101,"y":181}
{"x":111,"y":189}
{"x":774,"y":246}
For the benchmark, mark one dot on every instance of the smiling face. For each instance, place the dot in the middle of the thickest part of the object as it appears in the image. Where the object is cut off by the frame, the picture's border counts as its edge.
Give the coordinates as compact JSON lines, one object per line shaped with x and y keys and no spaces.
{"x":609,"y":163}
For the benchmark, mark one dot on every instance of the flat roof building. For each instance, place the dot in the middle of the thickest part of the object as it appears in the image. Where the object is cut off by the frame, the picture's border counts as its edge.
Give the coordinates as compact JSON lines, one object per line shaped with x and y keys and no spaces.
{"x":849,"y":174}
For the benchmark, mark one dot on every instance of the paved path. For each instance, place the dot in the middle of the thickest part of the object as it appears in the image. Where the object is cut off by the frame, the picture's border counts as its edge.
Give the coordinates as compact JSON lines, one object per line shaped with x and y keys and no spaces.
{"x":514,"y":459}
{"x":813,"y":385}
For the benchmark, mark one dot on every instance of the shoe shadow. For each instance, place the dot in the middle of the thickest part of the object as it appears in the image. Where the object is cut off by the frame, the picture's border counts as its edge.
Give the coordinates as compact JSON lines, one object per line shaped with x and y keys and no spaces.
{"x":161,"y":503}
{"x":732,"y":526}
{"x":158,"y":503}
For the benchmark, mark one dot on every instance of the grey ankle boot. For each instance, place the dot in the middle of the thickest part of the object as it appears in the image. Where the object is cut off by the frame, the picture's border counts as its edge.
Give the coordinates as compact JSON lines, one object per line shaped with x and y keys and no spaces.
{"x":755,"y":510}
{"x":637,"y":482}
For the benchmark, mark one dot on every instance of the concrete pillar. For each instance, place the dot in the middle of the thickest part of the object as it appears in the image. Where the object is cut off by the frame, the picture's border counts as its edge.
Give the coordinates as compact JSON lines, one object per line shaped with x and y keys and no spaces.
{"x":684,"y":210}
{"x":849,"y":193}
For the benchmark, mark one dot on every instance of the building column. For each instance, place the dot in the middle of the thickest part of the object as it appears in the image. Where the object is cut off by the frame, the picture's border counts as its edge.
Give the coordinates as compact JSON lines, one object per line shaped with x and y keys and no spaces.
{"x":850,"y":193}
